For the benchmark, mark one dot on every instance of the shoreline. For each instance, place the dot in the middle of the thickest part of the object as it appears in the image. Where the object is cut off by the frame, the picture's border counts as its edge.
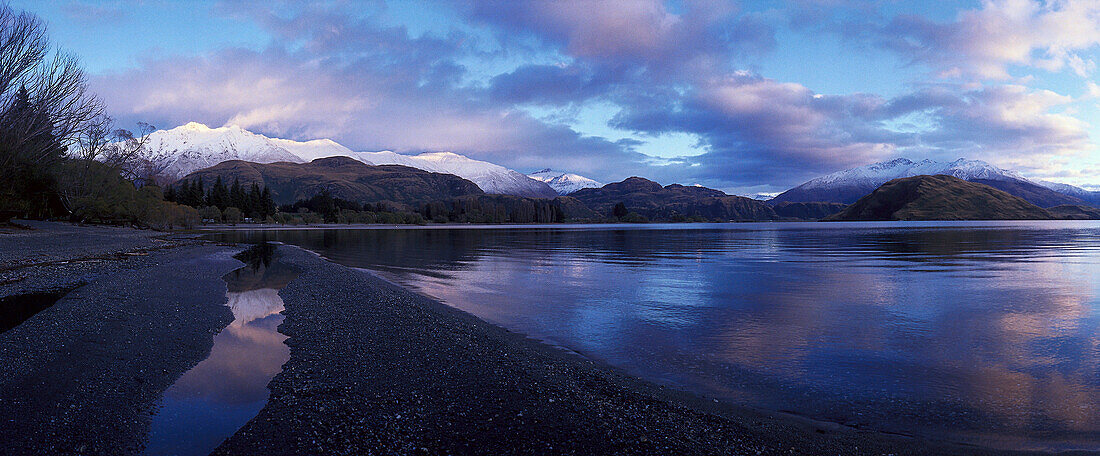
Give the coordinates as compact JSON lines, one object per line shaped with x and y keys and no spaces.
{"x":681,"y":413}
{"x":650,"y":225}
{"x":707,"y":404}
{"x":374,"y":368}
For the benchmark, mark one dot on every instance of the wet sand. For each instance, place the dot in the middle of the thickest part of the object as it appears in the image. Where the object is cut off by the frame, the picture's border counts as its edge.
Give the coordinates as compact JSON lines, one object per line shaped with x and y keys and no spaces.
{"x":374,"y":369}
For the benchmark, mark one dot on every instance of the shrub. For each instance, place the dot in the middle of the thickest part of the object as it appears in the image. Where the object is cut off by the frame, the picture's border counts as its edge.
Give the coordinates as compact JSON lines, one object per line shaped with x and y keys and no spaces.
{"x":232,"y":215}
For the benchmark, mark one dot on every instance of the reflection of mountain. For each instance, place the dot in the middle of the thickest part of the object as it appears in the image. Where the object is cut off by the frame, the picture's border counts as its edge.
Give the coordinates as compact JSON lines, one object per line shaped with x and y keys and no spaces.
{"x":430,"y":250}
{"x":259,"y":275}
{"x":932,"y":328}
{"x":251,"y":305}
{"x":220,"y":394}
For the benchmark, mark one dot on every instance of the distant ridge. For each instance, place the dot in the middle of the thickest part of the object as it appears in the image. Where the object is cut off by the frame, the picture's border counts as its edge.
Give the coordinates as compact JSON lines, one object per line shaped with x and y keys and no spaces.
{"x":672,"y":202}
{"x":852,"y":184}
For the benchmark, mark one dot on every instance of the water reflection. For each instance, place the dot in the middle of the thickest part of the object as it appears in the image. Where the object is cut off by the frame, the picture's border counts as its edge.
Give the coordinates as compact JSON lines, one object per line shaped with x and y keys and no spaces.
{"x":223,"y":392}
{"x":981,"y":331}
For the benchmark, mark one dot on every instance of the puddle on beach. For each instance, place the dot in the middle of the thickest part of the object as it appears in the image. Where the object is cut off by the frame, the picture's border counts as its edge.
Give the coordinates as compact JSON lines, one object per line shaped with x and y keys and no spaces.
{"x":214,"y":399}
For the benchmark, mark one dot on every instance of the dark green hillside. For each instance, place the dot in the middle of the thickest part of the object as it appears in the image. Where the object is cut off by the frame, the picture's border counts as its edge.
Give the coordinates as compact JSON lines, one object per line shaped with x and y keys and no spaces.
{"x":343,"y":178}
{"x":1035,"y":194}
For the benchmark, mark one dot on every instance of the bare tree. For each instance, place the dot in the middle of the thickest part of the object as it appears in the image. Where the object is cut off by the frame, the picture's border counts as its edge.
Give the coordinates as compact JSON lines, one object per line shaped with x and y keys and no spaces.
{"x":129,"y":156}
{"x":45,"y":108}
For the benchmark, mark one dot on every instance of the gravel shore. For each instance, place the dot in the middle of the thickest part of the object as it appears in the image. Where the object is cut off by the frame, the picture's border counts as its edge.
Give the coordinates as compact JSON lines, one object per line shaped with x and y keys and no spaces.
{"x":374,"y":368}
{"x":84,"y":375}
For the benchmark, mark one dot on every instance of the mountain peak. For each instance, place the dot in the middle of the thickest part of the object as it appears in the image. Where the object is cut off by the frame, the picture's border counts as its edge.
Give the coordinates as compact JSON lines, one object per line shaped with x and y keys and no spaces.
{"x":194,"y":126}
{"x":562,"y":182}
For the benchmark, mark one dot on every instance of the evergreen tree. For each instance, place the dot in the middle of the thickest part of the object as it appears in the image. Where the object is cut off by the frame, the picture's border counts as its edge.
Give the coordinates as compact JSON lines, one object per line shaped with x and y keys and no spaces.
{"x":255,"y":201}
{"x":219,"y":195}
{"x":619,"y":210}
{"x":29,"y":153}
{"x":267,"y":203}
{"x":237,"y":196}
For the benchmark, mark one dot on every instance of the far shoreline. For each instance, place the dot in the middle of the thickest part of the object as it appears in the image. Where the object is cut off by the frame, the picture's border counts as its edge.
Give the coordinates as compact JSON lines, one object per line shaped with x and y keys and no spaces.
{"x":652,"y":225}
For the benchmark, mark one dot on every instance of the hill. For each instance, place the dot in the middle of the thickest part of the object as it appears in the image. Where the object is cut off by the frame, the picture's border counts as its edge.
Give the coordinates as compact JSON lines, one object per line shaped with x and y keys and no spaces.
{"x":1070,"y":212}
{"x":672,"y":202}
{"x":939,"y":197}
{"x":806,"y":211}
{"x":343,"y":177}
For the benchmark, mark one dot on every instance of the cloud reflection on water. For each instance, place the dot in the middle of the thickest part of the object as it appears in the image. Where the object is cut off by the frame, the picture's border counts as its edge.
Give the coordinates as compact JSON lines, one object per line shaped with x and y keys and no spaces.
{"x":221,"y":393}
{"x":988,"y":331}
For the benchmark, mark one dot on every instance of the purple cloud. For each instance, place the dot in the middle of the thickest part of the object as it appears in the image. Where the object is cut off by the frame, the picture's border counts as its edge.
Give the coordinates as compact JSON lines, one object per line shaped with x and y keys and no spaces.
{"x":330,"y":73}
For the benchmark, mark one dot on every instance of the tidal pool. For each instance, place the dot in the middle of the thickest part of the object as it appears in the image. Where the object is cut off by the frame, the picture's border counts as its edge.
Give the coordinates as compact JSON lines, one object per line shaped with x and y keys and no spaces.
{"x":223,"y":392}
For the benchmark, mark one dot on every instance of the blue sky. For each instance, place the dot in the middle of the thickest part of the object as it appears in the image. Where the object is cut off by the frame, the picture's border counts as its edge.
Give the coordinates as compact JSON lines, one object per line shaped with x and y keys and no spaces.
{"x":745,"y":96}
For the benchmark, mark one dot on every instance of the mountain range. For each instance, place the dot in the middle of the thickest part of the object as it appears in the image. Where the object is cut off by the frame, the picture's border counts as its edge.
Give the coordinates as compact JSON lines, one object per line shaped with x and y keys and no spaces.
{"x":194,"y":146}
{"x":850,"y":185}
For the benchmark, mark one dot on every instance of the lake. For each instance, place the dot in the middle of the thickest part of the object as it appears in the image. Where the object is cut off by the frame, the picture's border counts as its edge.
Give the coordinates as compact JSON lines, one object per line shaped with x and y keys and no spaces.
{"x":986,"y":332}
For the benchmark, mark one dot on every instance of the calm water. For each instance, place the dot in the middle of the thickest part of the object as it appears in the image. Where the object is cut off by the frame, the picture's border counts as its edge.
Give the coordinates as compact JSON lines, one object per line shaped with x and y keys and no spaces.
{"x":214,"y":399}
{"x":984,"y":332}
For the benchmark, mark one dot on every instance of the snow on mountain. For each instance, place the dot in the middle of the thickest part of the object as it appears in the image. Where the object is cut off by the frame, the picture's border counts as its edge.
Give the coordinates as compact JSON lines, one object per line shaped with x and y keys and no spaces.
{"x":490,"y":177}
{"x":312,"y":150}
{"x":1090,"y":197}
{"x":880,"y":173}
{"x":1065,"y":189}
{"x":849,"y":185}
{"x":194,"y":146}
{"x":564,"y":183}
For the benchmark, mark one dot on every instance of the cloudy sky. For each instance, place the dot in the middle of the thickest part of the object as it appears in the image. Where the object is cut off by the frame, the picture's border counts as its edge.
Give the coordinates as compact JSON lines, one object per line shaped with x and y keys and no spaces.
{"x":745,"y":96}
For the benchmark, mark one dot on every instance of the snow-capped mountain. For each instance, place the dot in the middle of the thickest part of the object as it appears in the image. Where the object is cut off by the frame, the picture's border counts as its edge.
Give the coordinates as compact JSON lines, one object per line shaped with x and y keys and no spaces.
{"x":564,"y":183}
{"x":194,"y":146}
{"x":490,"y":177}
{"x":877,"y":174}
{"x":1091,"y":197}
{"x":851,"y":184}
